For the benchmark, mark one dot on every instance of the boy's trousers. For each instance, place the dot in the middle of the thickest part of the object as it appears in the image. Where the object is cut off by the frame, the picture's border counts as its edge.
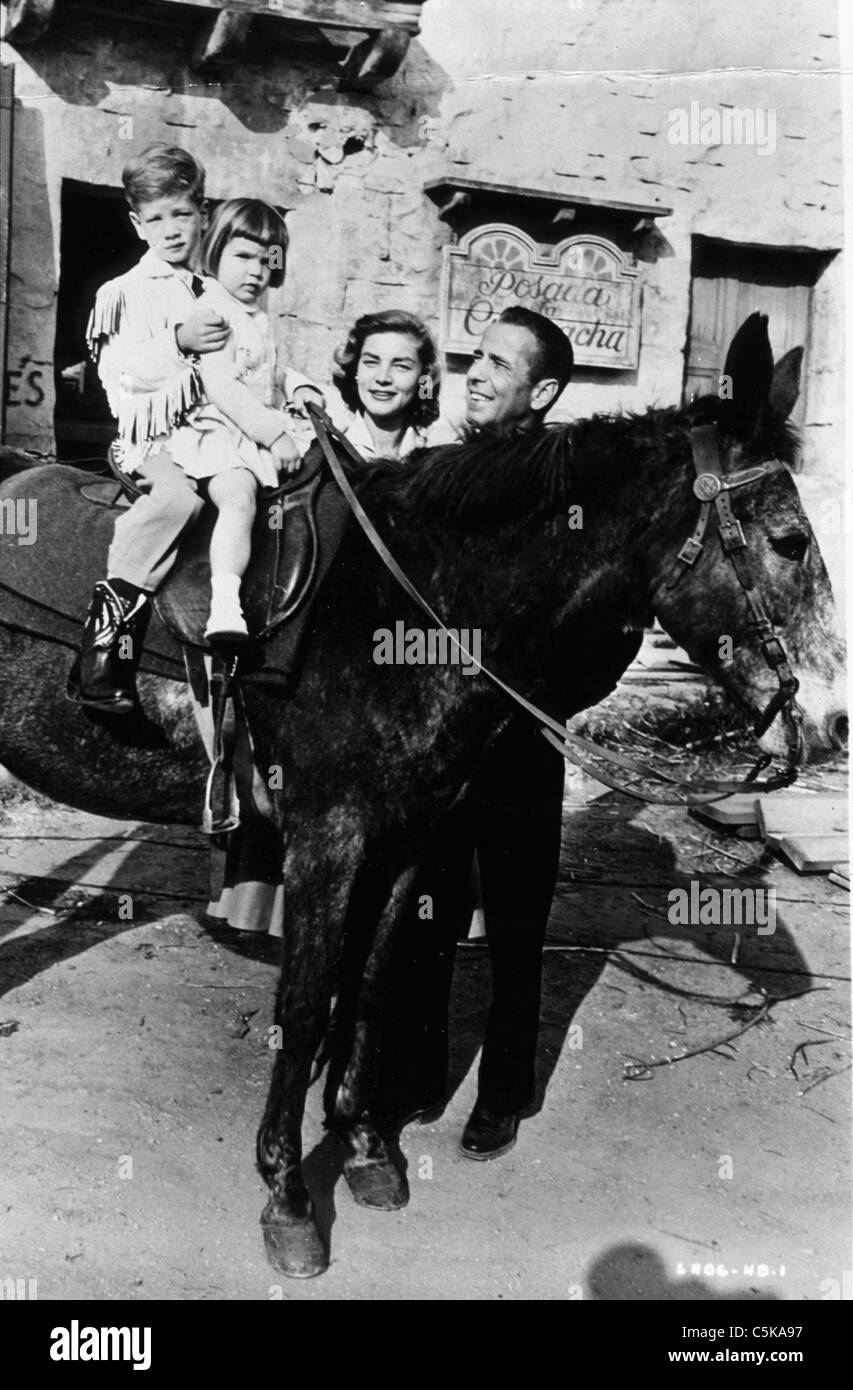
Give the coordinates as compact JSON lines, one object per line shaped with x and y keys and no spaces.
{"x":145,"y":540}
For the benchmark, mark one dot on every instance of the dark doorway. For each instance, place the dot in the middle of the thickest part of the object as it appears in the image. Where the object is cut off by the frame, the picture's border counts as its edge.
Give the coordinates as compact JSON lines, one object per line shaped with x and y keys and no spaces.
{"x":96,"y":243}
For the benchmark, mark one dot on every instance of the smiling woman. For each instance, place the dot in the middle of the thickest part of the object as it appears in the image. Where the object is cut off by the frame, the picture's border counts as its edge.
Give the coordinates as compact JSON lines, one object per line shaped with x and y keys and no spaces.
{"x":387,"y":373}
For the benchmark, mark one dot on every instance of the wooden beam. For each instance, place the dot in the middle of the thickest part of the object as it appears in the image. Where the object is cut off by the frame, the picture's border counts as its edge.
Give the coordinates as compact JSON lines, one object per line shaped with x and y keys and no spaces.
{"x":436,"y":189}
{"x":7,"y":108}
{"x":219,"y":40}
{"x":27,"y":21}
{"x":346,"y":14}
{"x":373,"y":60}
{"x":168,"y":21}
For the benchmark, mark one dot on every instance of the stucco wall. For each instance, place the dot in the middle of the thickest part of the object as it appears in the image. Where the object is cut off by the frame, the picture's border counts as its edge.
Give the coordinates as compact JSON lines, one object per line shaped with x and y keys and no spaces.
{"x":577,"y":97}
{"x":566,"y":96}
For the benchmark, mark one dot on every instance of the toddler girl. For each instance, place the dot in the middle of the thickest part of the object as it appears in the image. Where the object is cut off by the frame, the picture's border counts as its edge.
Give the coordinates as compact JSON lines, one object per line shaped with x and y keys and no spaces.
{"x":236,"y":439}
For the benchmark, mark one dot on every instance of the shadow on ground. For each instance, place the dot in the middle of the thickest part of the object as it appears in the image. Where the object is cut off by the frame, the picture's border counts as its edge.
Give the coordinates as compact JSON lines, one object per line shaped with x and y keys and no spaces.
{"x":634,"y":1272}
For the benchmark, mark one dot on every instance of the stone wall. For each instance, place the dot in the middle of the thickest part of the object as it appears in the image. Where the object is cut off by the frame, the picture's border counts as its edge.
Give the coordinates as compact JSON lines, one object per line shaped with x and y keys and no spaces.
{"x":351,"y":168}
{"x":567,"y":96}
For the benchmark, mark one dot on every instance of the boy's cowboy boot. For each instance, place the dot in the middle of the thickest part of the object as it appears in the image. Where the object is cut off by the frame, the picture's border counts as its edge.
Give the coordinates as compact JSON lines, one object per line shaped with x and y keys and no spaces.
{"x":104,"y":675}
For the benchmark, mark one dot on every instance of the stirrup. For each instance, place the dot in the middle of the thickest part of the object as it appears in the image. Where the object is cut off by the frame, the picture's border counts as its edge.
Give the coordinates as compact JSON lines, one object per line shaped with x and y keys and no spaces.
{"x":223,"y":761}
{"x":224,"y":824}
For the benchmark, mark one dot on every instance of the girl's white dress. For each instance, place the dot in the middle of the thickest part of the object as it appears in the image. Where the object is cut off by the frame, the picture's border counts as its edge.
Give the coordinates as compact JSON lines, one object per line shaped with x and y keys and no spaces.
{"x":244,"y":390}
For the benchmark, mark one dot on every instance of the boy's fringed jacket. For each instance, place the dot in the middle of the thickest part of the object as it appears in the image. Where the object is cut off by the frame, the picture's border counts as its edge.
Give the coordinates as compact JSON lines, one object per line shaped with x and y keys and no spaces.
{"x":150,"y":383}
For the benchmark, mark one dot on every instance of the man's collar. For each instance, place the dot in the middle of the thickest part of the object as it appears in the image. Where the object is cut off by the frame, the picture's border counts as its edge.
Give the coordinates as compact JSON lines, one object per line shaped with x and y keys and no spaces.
{"x":507,"y":429}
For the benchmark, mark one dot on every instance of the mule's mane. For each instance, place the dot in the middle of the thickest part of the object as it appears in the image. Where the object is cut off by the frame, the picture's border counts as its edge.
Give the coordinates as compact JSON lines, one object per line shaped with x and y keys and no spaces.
{"x":504,"y":474}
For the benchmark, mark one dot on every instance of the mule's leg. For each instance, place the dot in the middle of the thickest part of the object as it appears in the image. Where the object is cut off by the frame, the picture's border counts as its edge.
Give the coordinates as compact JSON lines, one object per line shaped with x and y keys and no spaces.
{"x":315,"y":894}
{"x":291,"y":1237}
{"x":371,"y":1175}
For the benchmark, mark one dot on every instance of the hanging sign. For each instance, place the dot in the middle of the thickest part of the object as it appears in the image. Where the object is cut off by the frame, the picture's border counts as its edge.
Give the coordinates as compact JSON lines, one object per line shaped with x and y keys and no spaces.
{"x":585,"y":284}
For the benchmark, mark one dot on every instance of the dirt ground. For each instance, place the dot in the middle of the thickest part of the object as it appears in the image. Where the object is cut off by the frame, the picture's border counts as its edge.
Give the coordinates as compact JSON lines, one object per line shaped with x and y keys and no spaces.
{"x":134,"y":1063}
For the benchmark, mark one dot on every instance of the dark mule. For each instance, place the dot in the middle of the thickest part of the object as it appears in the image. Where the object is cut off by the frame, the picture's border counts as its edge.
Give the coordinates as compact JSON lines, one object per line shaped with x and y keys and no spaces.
{"x":373,"y":755}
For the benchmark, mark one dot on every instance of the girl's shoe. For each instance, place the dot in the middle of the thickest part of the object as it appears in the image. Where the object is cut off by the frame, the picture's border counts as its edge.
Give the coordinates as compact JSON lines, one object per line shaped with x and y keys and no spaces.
{"x":226,"y":622}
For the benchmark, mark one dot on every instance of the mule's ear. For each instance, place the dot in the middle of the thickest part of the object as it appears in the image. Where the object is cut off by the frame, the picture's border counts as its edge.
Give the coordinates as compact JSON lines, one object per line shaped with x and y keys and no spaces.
{"x":749,"y":367}
{"x":785,"y":387}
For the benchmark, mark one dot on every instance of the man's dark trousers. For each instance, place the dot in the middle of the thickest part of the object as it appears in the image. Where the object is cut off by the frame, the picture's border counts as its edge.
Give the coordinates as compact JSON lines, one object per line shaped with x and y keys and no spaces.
{"x":512,"y":818}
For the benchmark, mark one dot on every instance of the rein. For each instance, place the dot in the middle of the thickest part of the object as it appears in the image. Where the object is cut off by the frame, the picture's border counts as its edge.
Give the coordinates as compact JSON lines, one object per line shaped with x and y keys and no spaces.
{"x":711,"y":487}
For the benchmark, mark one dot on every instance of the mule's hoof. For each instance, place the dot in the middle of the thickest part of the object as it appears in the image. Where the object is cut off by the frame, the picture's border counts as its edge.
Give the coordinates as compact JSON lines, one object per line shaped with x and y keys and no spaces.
{"x":293,"y":1245}
{"x":375,"y":1183}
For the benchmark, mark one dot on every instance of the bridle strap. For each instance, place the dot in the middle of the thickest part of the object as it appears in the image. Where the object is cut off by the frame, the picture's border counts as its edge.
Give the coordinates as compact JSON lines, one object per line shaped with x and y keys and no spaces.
{"x":589,"y":756}
{"x":713,"y":487}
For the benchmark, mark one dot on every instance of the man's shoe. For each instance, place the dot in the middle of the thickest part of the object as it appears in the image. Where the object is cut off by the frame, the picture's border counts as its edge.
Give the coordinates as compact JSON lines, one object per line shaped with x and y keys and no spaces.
{"x":488,"y":1135}
{"x":103,"y":677}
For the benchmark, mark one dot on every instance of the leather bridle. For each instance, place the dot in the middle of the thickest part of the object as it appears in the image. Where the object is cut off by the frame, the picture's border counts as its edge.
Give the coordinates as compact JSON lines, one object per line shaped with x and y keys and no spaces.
{"x":711,"y":486}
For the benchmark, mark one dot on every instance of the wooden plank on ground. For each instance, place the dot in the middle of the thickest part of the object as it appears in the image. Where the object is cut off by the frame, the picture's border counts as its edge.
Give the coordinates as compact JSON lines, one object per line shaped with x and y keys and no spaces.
{"x":777,"y":814}
{"x":811,"y":854}
{"x":792,"y":813}
{"x":840,"y":875}
{"x":734,"y":813}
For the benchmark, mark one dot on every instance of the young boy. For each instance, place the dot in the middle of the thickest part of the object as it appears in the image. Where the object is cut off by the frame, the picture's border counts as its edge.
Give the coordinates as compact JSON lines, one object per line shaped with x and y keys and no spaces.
{"x":144,"y":332}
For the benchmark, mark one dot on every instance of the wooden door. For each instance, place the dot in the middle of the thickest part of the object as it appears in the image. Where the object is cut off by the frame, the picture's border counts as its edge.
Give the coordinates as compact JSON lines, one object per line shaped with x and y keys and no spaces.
{"x":729,"y":283}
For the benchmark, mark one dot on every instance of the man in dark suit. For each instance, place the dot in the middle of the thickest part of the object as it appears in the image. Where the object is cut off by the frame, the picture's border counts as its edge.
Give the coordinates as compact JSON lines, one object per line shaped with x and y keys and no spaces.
{"x":512,"y":818}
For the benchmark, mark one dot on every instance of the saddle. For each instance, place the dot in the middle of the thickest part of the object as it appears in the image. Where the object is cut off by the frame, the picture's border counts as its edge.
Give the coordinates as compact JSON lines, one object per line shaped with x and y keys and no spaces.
{"x":298,"y":529}
{"x":286,"y":560}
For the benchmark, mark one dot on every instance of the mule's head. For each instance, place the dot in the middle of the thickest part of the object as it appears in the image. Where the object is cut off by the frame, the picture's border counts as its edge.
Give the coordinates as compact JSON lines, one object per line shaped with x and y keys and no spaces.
{"x":706,"y":609}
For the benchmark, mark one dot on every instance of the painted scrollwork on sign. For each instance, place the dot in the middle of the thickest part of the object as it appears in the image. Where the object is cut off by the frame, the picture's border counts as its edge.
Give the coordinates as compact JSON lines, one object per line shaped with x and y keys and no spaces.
{"x":586,"y":284}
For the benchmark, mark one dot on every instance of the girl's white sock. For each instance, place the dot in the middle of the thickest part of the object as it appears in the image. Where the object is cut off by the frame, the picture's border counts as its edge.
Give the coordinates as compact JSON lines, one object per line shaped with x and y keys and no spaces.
{"x":225,"y":587}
